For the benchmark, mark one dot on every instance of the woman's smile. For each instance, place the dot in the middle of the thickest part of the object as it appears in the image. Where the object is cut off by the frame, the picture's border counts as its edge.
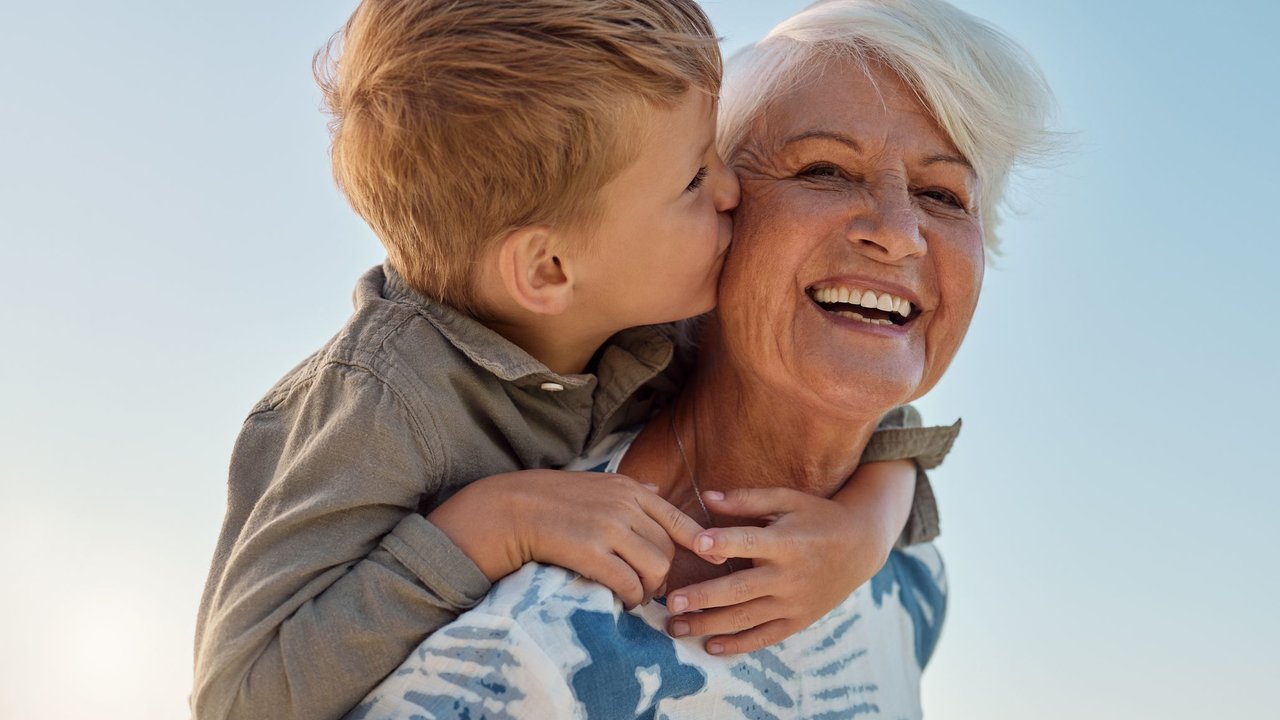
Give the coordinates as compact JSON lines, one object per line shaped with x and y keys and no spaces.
{"x":864,"y":302}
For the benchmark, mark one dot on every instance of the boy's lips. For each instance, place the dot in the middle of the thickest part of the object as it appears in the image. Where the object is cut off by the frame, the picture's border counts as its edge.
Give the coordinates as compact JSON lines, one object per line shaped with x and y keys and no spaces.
{"x":726,"y":235}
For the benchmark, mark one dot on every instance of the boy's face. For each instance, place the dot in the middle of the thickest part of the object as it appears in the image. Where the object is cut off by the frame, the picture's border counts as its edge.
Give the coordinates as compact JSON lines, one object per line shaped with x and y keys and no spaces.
{"x":656,"y":255}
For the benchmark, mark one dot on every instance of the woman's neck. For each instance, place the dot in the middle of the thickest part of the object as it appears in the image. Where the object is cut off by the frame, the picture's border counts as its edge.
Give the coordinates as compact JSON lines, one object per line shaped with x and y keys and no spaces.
{"x":747,"y":434}
{"x":727,"y":432}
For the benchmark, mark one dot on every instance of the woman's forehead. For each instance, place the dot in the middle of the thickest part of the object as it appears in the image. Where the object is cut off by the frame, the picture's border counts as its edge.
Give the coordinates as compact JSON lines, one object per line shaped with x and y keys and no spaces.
{"x":845,"y":101}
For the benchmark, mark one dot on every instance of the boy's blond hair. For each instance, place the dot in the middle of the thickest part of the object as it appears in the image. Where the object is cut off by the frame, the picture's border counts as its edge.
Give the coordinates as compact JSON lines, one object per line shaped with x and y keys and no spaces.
{"x":456,"y":121}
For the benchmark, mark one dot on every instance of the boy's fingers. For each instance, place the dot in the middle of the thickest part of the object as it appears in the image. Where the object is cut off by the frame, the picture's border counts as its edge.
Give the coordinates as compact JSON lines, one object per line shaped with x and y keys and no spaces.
{"x":647,"y":529}
{"x":680,"y":527}
{"x":744,"y":542}
{"x":733,"y":589}
{"x":760,"y":636}
{"x":649,"y":563}
{"x":756,"y":502}
{"x":723,"y":621}
{"x":616,"y":574}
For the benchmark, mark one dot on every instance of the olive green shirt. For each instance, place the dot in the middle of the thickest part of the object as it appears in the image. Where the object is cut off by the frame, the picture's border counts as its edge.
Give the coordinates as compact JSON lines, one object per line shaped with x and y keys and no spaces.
{"x":326,"y":573}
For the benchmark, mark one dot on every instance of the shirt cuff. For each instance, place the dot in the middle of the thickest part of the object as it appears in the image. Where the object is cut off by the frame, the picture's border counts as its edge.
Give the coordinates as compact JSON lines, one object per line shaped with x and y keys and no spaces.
{"x":928,"y":446}
{"x":923,"y":524}
{"x":899,"y":437}
{"x":442,"y":567}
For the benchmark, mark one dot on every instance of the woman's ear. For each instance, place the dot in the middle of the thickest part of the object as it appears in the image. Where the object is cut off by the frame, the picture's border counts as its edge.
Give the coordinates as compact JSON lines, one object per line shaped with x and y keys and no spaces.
{"x":533,"y":275}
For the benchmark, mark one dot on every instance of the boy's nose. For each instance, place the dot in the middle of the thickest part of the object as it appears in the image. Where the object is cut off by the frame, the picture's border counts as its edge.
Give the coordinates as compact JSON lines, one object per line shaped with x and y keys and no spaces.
{"x":727,"y":190}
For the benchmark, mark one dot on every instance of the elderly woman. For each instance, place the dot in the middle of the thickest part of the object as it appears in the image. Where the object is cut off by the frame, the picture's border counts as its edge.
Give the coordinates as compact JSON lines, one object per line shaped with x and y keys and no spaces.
{"x":872,"y":139}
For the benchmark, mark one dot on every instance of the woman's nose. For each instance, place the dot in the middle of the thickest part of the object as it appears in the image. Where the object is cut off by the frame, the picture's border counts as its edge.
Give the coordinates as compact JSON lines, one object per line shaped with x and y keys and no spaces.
{"x":887,"y":225}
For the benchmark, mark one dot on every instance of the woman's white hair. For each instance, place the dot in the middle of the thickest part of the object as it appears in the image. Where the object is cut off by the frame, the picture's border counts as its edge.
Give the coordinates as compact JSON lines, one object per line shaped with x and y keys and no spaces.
{"x":984,"y":90}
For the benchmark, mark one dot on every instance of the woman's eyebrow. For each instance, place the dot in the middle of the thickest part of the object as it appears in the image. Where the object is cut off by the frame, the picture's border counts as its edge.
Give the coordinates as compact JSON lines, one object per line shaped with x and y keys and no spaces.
{"x":953,"y":159}
{"x":844,"y":139}
{"x":825,"y":135}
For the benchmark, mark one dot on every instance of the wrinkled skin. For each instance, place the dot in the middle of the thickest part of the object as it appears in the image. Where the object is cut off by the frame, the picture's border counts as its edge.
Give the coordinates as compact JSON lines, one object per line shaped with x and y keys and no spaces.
{"x":848,"y":178}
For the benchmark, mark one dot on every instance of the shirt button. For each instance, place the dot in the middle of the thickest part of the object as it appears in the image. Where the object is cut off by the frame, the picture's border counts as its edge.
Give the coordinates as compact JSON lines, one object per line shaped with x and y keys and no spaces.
{"x":552,"y":387}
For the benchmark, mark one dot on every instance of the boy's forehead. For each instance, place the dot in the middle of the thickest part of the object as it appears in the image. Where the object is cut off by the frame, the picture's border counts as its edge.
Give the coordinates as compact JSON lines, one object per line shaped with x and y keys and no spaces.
{"x":692,"y":115}
{"x":687,"y":127}
{"x":668,"y":143}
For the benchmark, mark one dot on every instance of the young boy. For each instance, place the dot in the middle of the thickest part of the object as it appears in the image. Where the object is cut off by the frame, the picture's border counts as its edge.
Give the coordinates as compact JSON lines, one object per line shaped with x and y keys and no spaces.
{"x":543,"y":175}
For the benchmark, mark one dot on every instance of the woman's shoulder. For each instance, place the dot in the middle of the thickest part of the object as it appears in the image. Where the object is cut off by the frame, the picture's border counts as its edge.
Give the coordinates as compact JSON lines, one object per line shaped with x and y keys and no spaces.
{"x":927,"y":555}
{"x":913,"y":582}
{"x":542,"y":596}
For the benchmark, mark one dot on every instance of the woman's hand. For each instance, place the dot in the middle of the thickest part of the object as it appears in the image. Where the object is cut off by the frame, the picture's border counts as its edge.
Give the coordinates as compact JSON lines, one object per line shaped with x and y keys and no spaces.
{"x":812,"y":554}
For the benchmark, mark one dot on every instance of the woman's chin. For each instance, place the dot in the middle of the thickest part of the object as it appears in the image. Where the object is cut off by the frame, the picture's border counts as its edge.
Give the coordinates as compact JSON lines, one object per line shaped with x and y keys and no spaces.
{"x":862,"y":365}
{"x":880,"y":387}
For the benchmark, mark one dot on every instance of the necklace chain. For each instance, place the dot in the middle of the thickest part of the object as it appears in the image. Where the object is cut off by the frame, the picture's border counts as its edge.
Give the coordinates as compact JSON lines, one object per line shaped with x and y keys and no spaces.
{"x":693,"y":480}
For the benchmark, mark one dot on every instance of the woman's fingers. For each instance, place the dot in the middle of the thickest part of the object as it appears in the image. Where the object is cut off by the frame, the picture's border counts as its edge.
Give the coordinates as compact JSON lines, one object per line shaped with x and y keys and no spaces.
{"x":732,"y":589}
{"x":724,"y":621}
{"x":760,"y":636}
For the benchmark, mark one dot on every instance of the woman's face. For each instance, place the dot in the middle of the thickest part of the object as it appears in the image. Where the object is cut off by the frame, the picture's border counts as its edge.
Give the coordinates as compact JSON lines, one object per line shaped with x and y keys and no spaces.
{"x":850,"y":193}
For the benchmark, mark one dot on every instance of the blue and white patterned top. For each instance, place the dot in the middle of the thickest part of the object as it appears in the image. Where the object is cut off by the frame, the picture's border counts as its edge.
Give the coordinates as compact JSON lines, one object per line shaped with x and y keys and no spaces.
{"x":546,"y":643}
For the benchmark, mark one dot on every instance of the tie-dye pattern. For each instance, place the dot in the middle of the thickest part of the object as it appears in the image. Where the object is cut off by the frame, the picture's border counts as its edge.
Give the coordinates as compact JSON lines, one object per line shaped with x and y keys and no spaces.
{"x":546,"y":643}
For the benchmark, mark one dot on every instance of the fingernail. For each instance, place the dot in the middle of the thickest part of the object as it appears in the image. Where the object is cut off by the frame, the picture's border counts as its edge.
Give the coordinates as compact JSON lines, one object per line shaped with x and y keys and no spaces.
{"x":705,"y":542}
{"x":678,"y":603}
{"x":679,"y":629}
{"x":715,"y":648}
{"x":654,"y":487}
{"x":713,"y":495}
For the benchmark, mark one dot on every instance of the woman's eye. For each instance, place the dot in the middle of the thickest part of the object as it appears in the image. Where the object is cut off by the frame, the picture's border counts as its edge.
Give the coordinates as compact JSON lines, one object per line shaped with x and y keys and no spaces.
{"x":944,"y":197}
{"x":698,"y":179}
{"x":820,"y":170}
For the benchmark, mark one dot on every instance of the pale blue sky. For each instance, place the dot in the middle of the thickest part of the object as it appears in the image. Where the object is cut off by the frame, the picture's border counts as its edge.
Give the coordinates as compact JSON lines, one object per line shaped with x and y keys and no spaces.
{"x":171,"y":243}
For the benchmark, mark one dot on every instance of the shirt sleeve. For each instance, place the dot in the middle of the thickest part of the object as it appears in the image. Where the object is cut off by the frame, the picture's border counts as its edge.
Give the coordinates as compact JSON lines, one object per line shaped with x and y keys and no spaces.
{"x":901,"y":436}
{"x":325,"y":577}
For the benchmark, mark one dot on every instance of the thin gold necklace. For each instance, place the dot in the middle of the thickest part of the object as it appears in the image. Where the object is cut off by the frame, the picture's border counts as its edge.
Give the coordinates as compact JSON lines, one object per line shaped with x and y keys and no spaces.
{"x":693,"y":480}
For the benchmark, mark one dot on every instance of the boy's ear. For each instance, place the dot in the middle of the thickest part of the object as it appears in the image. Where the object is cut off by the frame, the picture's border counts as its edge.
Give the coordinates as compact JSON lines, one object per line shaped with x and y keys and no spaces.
{"x":532,"y":274}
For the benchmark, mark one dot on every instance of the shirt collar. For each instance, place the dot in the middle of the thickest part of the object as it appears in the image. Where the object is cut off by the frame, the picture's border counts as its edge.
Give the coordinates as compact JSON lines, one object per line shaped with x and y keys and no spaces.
{"x":630,"y":359}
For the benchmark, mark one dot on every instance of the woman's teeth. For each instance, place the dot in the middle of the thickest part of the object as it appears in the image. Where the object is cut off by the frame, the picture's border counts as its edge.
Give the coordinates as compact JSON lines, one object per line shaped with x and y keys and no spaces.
{"x":855,"y":316}
{"x":864,"y":298}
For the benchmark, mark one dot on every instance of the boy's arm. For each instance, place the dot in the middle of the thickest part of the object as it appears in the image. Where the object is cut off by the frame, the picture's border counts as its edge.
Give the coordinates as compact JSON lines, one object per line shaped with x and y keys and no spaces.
{"x":900,"y":436}
{"x":325,"y":577}
{"x":815,"y":551}
{"x":603,"y":526}
{"x":880,"y":495}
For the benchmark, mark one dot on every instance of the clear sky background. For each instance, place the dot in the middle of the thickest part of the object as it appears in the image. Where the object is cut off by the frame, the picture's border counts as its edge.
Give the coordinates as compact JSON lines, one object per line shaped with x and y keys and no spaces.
{"x":171,"y":243}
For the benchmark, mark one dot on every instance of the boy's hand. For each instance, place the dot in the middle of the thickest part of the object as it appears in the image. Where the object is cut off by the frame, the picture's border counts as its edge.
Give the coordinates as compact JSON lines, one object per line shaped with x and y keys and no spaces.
{"x":608,"y":528}
{"x":809,"y":557}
